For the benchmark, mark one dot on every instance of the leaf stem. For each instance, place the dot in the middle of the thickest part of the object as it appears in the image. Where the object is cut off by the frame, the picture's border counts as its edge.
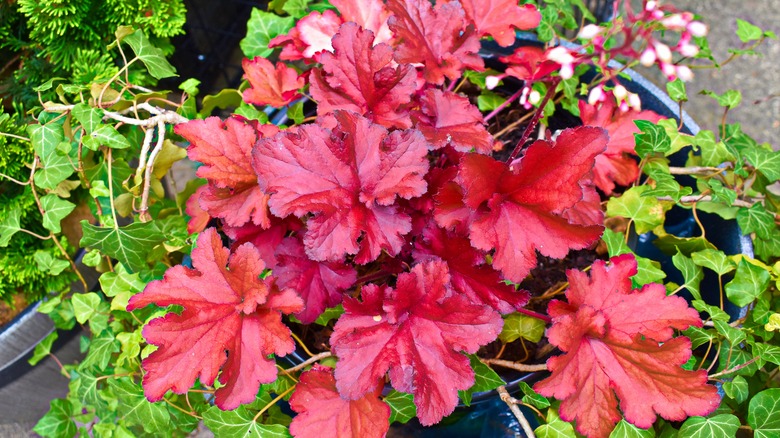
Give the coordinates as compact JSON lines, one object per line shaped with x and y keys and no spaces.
{"x":300,"y":342}
{"x":536,"y":315}
{"x":512,"y":403}
{"x":505,"y":104}
{"x":272,"y":402}
{"x":534,"y":121}
{"x":16,"y":181}
{"x":144,"y":210}
{"x":516,"y":366}
{"x":111,"y":189}
{"x":307,"y":362}
{"x":734,"y":369}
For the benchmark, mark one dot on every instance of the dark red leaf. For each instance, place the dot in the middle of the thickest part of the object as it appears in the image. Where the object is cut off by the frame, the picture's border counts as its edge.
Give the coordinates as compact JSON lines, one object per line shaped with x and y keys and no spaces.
{"x":225,"y":150}
{"x":619,"y":343}
{"x":520,"y":209}
{"x":500,"y":18}
{"x":320,"y":284}
{"x":416,"y":332}
{"x":470,"y":275}
{"x":199,"y":218}
{"x":437,"y":38}
{"x":446,"y":118}
{"x":271,"y":86}
{"x":348,"y":178}
{"x":322,"y":411}
{"x":264,"y":239}
{"x":529,"y":63}
{"x":231,"y":321}
{"x":359,"y":77}
{"x":369,"y":14}
{"x":617,"y":163}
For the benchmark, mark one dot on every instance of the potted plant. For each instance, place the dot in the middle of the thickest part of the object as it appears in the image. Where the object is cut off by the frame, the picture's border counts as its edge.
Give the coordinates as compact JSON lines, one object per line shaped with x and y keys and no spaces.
{"x":380,"y":231}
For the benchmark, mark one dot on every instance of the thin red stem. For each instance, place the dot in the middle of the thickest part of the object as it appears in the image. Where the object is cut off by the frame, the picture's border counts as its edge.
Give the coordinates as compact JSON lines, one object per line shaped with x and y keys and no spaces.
{"x":534,"y":121}
{"x":371,"y":277}
{"x":533,"y":314}
{"x":508,"y":102}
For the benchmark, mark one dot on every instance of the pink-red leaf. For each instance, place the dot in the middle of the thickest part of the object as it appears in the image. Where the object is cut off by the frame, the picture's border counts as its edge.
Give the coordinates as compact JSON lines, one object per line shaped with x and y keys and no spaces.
{"x":446,"y":118}
{"x":416,"y":332}
{"x":617,"y":164}
{"x":470,"y":275}
{"x":320,"y":284}
{"x":322,"y":411}
{"x":266,"y":240}
{"x":500,"y":18}
{"x":269,"y":85}
{"x":348,"y":177}
{"x":316,"y":31}
{"x":225,"y":149}
{"x":231,"y":321}
{"x":529,"y":63}
{"x":369,"y":14}
{"x":359,"y":77}
{"x":619,"y":344}
{"x":521,"y":208}
{"x":437,"y":38}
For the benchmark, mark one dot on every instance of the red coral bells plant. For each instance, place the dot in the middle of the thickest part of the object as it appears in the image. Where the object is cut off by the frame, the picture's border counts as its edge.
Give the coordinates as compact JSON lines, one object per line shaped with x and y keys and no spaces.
{"x":390,"y":217}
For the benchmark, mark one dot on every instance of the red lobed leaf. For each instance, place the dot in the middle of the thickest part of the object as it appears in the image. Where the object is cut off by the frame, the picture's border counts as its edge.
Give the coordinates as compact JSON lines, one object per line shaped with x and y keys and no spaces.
{"x":231,"y":321}
{"x":320,"y":284}
{"x":522,"y":208}
{"x":499,"y":18}
{"x":438,"y":38}
{"x":446,"y":118}
{"x":316,"y":31}
{"x":359,"y":77}
{"x":369,"y":14}
{"x":348,"y":178}
{"x":269,"y":85}
{"x":199,"y":218}
{"x":619,"y":344}
{"x":470,"y":275}
{"x":529,"y":63}
{"x":225,"y":150}
{"x":266,"y":240}
{"x":416,"y":332}
{"x":616,"y":164}
{"x":321,"y":410}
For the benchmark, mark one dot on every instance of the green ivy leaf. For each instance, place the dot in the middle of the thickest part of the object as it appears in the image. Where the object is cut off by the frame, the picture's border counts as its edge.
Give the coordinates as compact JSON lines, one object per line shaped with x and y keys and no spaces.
{"x":106,"y":135}
{"x":713,"y":152}
{"x":713,"y":259}
{"x":624,"y":429}
{"x":227,"y":97}
{"x":648,"y":271}
{"x":748,"y":283}
{"x":478,"y":78}
{"x":555,"y":427}
{"x":402,"y":408}
{"x":152,"y":57}
{"x":85,"y":306}
{"x":698,"y":336}
{"x":296,"y":8}
{"x":10,"y":226}
{"x":329,"y":314}
{"x":517,"y":325}
{"x":262,"y":27}
{"x":720,"y":425}
{"x":250,"y":112}
{"x":190,"y":87}
{"x":129,"y":244}
{"x":136,"y":410}
{"x":240,"y":423}
{"x":730,"y":99}
{"x":768,"y":353}
{"x":737,"y":389}
{"x":55,"y":170}
{"x":43,"y":349}
{"x":646,"y":212}
{"x":715,"y":313}
{"x":756,"y":219}
{"x":748,"y":32}
{"x":663,"y":182}
{"x":676,"y":90}
{"x":652,"y":138}
{"x":485,"y":379}
{"x":734,"y":355}
{"x":100,"y":350}
{"x":295,"y":112}
{"x":533,"y":398}
{"x":678,"y":140}
{"x":55,"y":209}
{"x":488,"y":101}
{"x":692,"y":273}
{"x":57,"y":423}
{"x":46,"y":137}
{"x":48,"y":263}
{"x":765,"y":161}
{"x":89,"y":117}
{"x":764,"y":413}
{"x":733,"y":335}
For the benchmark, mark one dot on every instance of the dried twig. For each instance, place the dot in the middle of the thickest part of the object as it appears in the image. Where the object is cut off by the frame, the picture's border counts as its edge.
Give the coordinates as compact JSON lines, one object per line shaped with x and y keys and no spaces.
{"x":516,"y":366}
{"x":512,"y":403}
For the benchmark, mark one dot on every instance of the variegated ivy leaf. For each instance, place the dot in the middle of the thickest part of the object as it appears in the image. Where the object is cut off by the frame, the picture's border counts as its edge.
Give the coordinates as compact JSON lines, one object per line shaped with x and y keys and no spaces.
{"x":720,"y":425}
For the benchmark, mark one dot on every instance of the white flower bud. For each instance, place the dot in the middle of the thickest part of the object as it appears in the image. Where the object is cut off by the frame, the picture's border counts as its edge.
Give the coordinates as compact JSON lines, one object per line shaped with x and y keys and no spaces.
{"x":566,"y":72}
{"x":688,"y":50}
{"x":663,"y":52}
{"x":491,"y":82}
{"x":589,"y":31}
{"x":668,"y":70}
{"x":634,"y":102}
{"x":652,"y":4}
{"x":648,"y":57}
{"x":534,"y":97}
{"x":596,"y":95}
{"x":560,"y":55}
{"x":674,"y":22}
{"x":684,"y":73}
{"x":697,"y":28}
{"x":619,"y":92}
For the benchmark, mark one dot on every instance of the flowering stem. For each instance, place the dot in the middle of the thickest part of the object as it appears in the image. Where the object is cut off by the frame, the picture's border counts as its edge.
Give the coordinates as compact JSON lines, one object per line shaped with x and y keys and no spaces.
{"x":506,"y":103}
{"x":534,"y":121}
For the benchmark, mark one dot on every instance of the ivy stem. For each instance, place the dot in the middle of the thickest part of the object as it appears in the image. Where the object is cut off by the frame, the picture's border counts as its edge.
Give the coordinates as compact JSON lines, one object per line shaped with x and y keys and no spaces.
{"x":516,"y":366}
{"x":506,"y":103}
{"x":111,"y":189}
{"x":35,"y":234}
{"x":18,"y":137}
{"x":512,"y":403}
{"x":536,"y":315}
{"x":734,"y":369}
{"x":16,"y":181}
{"x":533,"y":122}
{"x":144,"y":210}
{"x":272,"y":402}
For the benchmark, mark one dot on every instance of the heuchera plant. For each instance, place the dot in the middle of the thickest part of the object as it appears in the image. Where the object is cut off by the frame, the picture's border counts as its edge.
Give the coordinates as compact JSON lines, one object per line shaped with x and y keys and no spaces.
{"x":391,"y":204}
{"x":365,"y":258}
